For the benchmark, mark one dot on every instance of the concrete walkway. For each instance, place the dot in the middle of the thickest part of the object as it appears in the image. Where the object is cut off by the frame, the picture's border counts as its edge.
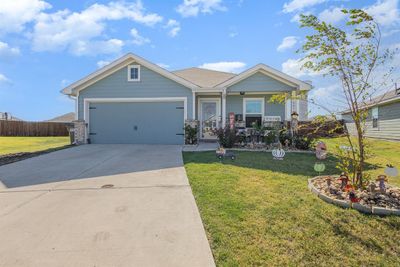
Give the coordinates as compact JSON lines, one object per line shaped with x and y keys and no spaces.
{"x":54,"y":211}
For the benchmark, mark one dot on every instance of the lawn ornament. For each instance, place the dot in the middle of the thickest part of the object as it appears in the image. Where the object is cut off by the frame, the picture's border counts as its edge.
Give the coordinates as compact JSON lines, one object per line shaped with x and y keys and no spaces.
{"x":222,"y":153}
{"x":344,"y":181}
{"x":353,"y":198}
{"x":321,"y":150}
{"x":319,"y":167}
{"x":372,"y":187}
{"x":278,"y":153}
{"x":287,"y":142}
{"x":390,"y":170}
{"x":382,"y":179}
{"x":329,"y":181}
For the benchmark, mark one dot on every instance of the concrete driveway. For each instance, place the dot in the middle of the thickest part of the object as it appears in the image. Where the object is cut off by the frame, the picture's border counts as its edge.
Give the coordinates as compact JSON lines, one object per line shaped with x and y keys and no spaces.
{"x":54,"y":211}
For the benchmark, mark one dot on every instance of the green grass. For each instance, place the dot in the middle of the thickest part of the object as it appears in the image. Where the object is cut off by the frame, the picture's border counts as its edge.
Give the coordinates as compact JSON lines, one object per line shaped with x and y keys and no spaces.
{"x":382,"y":153}
{"x":10,"y":145}
{"x":258,"y":212}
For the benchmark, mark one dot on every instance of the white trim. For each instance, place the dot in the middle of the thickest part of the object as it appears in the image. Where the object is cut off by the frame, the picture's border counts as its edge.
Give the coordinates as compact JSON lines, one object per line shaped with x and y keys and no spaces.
{"x":207,"y":99}
{"x":193,"y":105}
{"x":77,"y":107}
{"x":258,"y":93}
{"x":223,"y":109}
{"x":130,"y":67}
{"x":208,"y":90}
{"x":87,"y":101}
{"x":267,"y":70}
{"x":119,"y":64}
{"x":262,"y":107}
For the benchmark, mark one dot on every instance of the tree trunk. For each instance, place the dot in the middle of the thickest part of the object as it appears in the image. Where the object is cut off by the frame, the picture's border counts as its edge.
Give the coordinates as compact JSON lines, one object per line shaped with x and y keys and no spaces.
{"x":361,"y":155}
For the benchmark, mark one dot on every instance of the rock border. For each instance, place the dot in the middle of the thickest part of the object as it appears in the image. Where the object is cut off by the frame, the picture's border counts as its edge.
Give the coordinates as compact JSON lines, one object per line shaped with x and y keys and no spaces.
{"x":348,"y":204}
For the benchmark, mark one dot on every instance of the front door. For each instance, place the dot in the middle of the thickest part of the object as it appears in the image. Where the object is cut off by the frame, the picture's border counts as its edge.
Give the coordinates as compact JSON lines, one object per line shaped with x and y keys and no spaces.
{"x":209,"y":118}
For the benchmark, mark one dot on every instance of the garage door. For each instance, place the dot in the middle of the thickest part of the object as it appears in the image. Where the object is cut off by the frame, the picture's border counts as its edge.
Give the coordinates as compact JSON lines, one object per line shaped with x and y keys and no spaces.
{"x":136,"y":123}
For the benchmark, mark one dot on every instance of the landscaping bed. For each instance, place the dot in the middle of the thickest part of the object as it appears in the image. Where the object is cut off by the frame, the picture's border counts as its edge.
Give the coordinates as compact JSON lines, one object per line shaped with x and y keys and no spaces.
{"x":371,"y":200}
{"x":10,"y":158}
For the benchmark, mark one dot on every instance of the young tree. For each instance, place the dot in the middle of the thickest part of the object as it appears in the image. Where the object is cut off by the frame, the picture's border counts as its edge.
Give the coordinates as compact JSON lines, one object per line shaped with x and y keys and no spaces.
{"x":352,"y":54}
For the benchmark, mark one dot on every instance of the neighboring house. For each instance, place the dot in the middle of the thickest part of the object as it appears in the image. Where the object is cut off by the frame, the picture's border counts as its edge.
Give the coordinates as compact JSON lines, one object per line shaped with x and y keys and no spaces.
{"x":133,"y":100}
{"x":383,"y":119}
{"x":8,"y":117}
{"x":68,"y":117}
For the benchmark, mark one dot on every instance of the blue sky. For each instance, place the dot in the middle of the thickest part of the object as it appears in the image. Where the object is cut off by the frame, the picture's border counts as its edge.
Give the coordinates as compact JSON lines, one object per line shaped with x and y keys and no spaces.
{"x":45,"y":45}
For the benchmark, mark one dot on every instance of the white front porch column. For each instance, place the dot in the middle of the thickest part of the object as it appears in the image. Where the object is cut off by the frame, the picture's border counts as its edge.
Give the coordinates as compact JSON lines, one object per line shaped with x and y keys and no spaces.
{"x":193,"y":105}
{"x":224,"y":108}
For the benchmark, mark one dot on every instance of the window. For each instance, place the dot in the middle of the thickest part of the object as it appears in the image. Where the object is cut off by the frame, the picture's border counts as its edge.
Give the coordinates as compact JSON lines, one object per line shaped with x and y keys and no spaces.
{"x":134,"y":73}
{"x":253,"y":111}
{"x":375,"y":117}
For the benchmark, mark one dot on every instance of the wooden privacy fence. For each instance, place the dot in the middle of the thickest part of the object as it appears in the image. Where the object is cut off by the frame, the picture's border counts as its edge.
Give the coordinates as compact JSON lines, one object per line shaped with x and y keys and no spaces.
{"x":28,"y":128}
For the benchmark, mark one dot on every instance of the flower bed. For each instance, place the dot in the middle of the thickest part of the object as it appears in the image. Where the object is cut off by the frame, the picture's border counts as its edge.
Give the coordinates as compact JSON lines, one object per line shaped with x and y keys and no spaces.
{"x":377,"y":202}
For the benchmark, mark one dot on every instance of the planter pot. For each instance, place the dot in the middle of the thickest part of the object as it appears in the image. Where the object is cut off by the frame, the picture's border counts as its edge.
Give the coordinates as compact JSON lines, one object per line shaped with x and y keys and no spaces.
{"x":362,"y":208}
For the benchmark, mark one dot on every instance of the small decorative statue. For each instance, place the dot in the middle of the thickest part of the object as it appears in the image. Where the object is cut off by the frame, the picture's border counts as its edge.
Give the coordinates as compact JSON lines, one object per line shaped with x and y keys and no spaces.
{"x":319,"y":167}
{"x":278,"y":153}
{"x":382,"y":179}
{"x":352,"y":196}
{"x":329,"y":181}
{"x":372,"y":187}
{"x":344,"y":180}
{"x":321,"y":150}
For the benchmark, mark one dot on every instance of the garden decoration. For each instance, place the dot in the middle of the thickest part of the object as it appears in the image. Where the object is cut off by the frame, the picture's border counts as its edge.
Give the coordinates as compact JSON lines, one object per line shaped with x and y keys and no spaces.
{"x":222,"y":153}
{"x":294,"y":123}
{"x":287,"y":142}
{"x":390,"y":170}
{"x":319,"y":167}
{"x":278,"y":153}
{"x":382,"y":179}
{"x":344,"y":179}
{"x":372,"y":187}
{"x":353,"y":198}
{"x":321,"y":150}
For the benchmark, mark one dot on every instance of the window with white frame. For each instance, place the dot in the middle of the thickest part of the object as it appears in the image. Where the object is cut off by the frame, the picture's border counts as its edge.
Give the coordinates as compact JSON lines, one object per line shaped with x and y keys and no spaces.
{"x":133,"y":73}
{"x":253,"y":109}
{"x":375,"y":117}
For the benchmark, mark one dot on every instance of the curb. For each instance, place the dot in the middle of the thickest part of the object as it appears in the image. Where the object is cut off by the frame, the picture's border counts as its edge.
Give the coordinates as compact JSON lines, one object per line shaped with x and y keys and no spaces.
{"x":348,"y":205}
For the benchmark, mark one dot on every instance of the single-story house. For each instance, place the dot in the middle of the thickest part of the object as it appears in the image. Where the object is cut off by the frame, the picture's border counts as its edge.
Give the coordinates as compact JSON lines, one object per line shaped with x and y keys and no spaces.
{"x":65,"y":118}
{"x":383,"y":120}
{"x":132,"y":100}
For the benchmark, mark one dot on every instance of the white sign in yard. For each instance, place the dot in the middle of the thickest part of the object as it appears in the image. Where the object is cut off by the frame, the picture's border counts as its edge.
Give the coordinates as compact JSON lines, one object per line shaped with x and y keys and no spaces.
{"x":272,"y":118}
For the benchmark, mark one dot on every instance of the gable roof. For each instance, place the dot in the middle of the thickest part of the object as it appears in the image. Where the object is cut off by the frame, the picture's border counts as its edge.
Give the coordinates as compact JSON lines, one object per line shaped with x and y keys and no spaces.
{"x":269,"y":71}
{"x":204,"y":77}
{"x":68,"y":117}
{"x":388,"y":97}
{"x":116,"y":65}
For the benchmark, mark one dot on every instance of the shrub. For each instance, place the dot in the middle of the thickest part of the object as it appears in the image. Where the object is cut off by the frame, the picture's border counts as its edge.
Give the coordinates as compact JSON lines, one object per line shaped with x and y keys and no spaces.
{"x":270,"y":137}
{"x":285,"y":135}
{"x":302,"y":142}
{"x":226,"y":137}
{"x":191,"y":135}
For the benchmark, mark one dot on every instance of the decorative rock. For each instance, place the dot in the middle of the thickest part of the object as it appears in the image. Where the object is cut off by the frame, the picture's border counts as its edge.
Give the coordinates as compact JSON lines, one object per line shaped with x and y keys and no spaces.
{"x":362,"y":208}
{"x":381,"y":211}
{"x":325,"y":198}
{"x":342,"y":203}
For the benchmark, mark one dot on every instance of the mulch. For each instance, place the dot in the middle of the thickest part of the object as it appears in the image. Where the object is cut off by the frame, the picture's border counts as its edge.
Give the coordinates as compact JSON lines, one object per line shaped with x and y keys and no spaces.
{"x":11,"y":158}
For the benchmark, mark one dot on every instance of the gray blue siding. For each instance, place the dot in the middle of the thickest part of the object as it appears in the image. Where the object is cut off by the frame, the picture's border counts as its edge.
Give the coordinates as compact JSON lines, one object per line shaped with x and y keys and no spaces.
{"x":260,"y":83}
{"x":151,"y":84}
{"x":388,"y":122}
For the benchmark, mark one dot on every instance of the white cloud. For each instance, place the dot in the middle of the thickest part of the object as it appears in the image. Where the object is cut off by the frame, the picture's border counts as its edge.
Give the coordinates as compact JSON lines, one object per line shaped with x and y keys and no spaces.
{"x":138,"y":39}
{"x":293,"y":68}
{"x":385,"y":12}
{"x":173,"y":27}
{"x":111,"y":46}
{"x":14,"y":14}
{"x":102,"y":63}
{"x":164,"y":66}
{"x":287,"y":42}
{"x":191,"y":8}
{"x":227,"y":66}
{"x":332,"y":15}
{"x":4,"y":79}
{"x":7,"y":52}
{"x":73,"y":31}
{"x":298,"y":5}
{"x":325,"y":92}
{"x":233,"y":34}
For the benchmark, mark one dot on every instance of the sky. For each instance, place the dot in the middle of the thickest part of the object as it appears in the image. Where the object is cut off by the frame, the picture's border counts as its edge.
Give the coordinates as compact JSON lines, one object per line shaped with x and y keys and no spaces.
{"x":46,"y":45}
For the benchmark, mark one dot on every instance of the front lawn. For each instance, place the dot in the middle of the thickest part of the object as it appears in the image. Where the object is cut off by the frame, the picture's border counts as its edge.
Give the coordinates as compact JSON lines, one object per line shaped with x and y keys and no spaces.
{"x":258,"y":212}
{"x":11,"y":145}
